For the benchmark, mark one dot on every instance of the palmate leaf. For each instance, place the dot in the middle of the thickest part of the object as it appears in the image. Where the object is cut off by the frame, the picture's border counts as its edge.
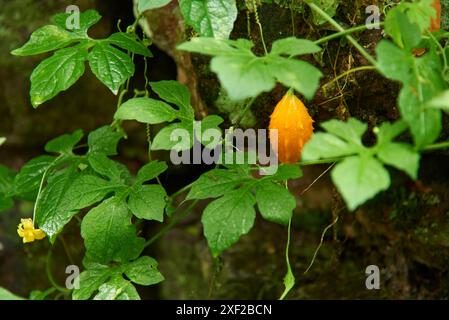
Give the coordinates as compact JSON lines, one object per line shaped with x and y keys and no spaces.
{"x":232,"y":215}
{"x":60,"y":71}
{"x":360,"y":173}
{"x":245,"y":75}
{"x":421,"y":76}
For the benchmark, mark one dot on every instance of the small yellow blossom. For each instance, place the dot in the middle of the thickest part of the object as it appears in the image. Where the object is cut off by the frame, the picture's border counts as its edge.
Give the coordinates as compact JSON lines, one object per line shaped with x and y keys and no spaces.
{"x":27,"y":232}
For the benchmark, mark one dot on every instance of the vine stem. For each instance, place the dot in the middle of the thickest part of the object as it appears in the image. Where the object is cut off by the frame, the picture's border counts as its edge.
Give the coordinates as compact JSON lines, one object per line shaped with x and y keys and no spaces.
{"x":354,"y":42}
{"x":50,"y":275}
{"x":175,"y":220}
{"x":183,"y":189}
{"x":429,"y":148}
{"x":289,"y":275}
{"x":244,"y":111}
{"x":256,"y":15}
{"x":436,"y":146}
{"x":347,"y":32}
{"x":344,"y":74}
{"x":320,"y":244}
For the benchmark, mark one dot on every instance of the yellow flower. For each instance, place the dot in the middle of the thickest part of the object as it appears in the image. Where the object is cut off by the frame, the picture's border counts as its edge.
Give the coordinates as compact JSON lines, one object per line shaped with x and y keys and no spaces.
{"x":27,"y":232}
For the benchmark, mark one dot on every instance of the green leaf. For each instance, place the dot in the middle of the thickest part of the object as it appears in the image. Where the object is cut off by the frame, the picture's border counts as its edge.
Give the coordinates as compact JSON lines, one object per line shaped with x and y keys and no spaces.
{"x":287,"y":172}
{"x":7,"y":295}
{"x":215,"y":183}
{"x":401,"y":156}
{"x":359,"y":179}
{"x":210,"y":18}
{"x":2,"y":140}
{"x":128,"y":42}
{"x":30,"y":175}
{"x":145,"y":5}
{"x":176,"y":93}
{"x":146,"y":110}
{"x":214,"y":47}
{"x":393,"y":62}
{"x":45,"y":39}
{"x":108,"y":233}
{"x":164,"y":141}
{"x":148,"y":202}
{"x":65,"y":143}
{"x":418,"y":13}
{"x":53,"y":209}
{"x":294,"y":47}
{"x":246,"y":75}
{"x":351,"y":131}
{"x":225,"y":220}
{"x":57,"y":73}
{"x":325,"y":145}
{"x":425,"y":124}
{"x":275,"y":202}
{"x":90,"y":281}
{"x":405,"y":34}
{"x":104,"y":140}
{"x":117,"y":289}
{"x":328,"y":6}
{"x":243,"y":76}
{"x":388,"y":131}
{"x":6,"y":180}
{"x":87,"y":19}
{"x":87,"y":190}
{"x":144,"y":271}
{"x":5,"y":203}
{"x":111,"y":66}
{"x":297,"y":74}
{"x":441,"y":101}
{"x":108,"y":168}
{"x":41,"y":295}
{"x":211,"y":122}
{"x":150,"y":171}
